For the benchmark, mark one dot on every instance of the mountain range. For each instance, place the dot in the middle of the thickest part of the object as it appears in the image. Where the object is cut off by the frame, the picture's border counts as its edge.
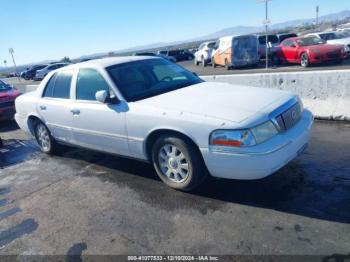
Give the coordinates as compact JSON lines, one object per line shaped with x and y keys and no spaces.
{"x":236,"y":30}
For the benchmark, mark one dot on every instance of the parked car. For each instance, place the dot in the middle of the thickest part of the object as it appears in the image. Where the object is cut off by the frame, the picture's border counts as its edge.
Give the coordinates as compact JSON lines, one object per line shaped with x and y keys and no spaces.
{"x":282,"y":37}
{"x":144,"y":54}
{"x":178,"y":55}
{"x":40,"y":74}
{"x":155,"y":55}
{"x":31,"y":72}
{"x":11,"y":74}
{"x":234,"y":51}
{"x":164,"y":54}
{"x":334,"y":38}
{"x":153,"y":110}
{"x":8,"y":94}
{"x":204,"y":53}
{"x":272,"y":41}
{"x":307,"y":50}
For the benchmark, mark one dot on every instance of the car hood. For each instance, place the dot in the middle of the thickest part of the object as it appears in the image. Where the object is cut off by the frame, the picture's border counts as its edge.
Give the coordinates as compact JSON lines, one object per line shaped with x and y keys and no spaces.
{"x":324,"y":47}
{"x":343,"y":41}
{"x":235,"y":103}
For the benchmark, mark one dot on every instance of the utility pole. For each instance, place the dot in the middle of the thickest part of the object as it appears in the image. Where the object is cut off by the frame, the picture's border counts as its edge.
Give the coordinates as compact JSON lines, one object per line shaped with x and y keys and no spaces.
{"x":266,"y":22}
{"x":317,"y":13}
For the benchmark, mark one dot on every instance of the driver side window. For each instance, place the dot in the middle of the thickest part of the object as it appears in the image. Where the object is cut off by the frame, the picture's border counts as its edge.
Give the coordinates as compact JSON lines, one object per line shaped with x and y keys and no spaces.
{"x":90,"y":81}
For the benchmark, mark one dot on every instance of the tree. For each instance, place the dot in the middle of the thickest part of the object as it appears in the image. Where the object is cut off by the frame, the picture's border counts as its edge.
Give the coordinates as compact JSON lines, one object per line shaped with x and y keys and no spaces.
{"x":65,"y":59}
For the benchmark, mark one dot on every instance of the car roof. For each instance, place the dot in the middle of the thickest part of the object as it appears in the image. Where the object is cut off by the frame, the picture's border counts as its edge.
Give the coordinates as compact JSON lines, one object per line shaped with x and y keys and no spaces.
{"x":109,"y":61}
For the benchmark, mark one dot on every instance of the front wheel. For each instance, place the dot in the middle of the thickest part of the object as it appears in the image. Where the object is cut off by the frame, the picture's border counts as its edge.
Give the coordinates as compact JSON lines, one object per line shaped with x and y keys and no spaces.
{"x":178,"y":163}
{"x":227,"y":66}
{"x":45,"y":140}
{"x":304,"y":60}
{"x":204,"y":62}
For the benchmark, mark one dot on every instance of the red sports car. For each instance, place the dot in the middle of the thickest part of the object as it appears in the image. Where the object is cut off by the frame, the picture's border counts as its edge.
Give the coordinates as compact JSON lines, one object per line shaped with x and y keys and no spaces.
{"x":307,"y":51}
{"x":8,"y":94}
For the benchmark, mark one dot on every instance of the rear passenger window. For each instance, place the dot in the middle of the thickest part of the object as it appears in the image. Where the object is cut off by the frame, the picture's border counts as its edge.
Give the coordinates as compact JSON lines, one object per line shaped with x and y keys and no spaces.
{"x":62,"y":85}
{"x":59,"y":85}
{"x":88,"y":83}
{"x":49,"y":87}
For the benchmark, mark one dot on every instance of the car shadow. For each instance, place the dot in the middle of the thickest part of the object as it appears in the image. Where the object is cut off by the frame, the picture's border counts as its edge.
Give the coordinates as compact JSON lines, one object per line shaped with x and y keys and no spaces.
{"x":15,"y":151}
{"x":293,"y":189}
{"x":7,"y":126}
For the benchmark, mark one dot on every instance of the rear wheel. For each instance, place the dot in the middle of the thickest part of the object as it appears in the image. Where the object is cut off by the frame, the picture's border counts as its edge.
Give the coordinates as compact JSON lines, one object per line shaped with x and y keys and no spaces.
{"x":304,"y":60}
{"x":178,"y":163}
{"x":276,"y":60}
{"x":45,"y":140}
{"x":213,"y":62}
{"x":196,"y":62}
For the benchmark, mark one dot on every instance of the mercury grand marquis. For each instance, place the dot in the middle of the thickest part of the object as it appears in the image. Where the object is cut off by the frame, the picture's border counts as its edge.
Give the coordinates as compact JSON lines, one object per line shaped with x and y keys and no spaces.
{"x":153,"y":110}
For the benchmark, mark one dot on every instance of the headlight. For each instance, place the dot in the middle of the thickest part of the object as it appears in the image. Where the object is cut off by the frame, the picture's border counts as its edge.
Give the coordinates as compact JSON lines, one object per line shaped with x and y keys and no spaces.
{"x":264,"y":132}
{"x":235,"y":138}
{"x":244,"y":138}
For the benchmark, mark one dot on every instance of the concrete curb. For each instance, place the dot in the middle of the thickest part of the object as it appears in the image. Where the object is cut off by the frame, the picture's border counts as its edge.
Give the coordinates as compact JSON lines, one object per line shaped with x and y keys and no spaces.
{"x":325,"y":93}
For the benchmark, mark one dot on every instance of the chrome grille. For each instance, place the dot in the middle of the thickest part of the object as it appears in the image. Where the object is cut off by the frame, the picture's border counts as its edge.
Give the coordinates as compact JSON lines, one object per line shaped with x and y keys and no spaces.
{"x":289,"y":118}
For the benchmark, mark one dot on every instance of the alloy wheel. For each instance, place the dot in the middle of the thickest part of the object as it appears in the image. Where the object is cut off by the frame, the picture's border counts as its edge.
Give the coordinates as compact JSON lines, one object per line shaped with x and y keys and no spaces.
{"x":173,"y":163}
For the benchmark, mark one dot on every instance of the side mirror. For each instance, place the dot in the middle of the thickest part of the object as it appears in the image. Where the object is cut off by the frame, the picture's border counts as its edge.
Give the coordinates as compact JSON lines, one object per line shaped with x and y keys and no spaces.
{"x":102,"y":96}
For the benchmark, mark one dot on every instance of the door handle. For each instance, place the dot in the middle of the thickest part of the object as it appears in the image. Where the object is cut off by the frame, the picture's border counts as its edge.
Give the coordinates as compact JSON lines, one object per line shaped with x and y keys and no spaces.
{"x":43,"y":108}
{"x":75,"y":111}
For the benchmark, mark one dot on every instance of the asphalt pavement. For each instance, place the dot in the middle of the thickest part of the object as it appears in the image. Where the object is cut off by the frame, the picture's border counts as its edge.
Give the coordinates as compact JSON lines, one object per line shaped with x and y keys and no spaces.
{"x":85,"y":202}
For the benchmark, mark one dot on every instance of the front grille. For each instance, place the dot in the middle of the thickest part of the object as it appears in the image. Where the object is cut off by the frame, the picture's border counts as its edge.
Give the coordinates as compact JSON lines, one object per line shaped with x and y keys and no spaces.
{"x":334,"y":55}
{"x":7,"y":104}
{"x":289,"y":118}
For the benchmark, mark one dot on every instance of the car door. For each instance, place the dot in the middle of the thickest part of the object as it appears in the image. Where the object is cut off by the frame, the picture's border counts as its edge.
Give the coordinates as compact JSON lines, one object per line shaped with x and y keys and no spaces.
{"x":97,"y":125}
{"x":54,"y":106}
{"x":289,"y":51}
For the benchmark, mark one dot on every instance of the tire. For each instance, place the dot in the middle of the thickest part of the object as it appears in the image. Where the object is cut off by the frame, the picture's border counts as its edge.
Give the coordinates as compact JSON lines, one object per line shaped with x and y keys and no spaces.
{"x":196,"y":63}
{"x":304,"y":60}
{"x":204,"y":63}
{"x":178,"y":163}
{"x":275,"y":60}
{"x":213,"y":62}
{"x":227,"y":66}
{"x":44,"y":139}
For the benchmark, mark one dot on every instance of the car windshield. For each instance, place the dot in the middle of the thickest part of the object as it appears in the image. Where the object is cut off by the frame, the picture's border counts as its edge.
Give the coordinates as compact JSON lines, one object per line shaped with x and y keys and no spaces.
{"x":273,"y":39}
{"x":286,"y":36}
{"x":4,"y":87}
{"x":151,"y":77}
{"x":307,"y":41}
{"x":332,"y":36}
{"x":211,"y":45}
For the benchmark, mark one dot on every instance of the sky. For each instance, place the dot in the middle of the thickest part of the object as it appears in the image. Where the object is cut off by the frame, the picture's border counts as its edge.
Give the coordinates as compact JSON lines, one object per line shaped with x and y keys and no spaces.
{"x":38,"y":30}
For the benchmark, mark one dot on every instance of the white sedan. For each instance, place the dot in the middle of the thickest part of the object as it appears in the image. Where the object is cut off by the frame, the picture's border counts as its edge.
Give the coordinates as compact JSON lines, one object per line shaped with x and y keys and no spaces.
{"x":153,"y":110}
{"x":335,"y":38}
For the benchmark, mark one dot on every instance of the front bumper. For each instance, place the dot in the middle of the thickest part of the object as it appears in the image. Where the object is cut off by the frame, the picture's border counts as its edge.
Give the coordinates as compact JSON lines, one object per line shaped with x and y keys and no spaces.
{"x":261,"y":160}
{"x":7,"y":113}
